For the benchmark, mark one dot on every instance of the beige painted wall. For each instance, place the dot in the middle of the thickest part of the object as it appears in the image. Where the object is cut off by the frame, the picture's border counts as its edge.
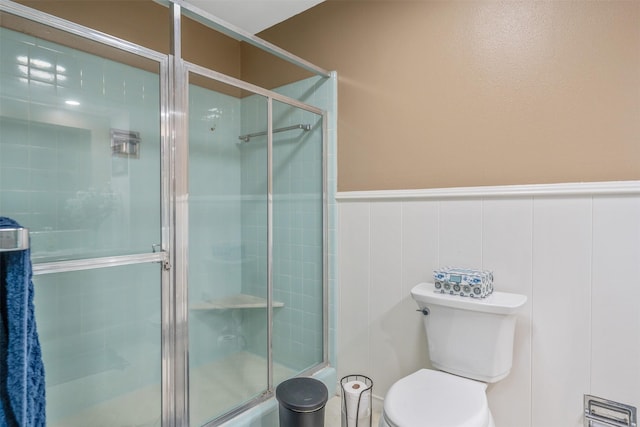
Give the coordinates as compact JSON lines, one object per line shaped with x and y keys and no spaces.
{"x":460,"y":93}
{"x":147,"y":23}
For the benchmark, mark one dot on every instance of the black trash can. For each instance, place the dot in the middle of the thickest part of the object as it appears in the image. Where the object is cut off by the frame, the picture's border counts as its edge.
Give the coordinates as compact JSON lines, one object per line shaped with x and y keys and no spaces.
{"x":302,"y":401}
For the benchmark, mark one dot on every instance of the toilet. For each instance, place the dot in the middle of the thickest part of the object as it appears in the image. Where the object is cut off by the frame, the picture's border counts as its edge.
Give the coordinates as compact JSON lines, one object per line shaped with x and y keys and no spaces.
{"x":470,"y":344}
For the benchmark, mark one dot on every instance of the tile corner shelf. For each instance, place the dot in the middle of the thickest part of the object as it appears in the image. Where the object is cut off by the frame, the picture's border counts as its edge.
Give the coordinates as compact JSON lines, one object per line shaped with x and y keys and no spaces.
{"x":234,"y":301}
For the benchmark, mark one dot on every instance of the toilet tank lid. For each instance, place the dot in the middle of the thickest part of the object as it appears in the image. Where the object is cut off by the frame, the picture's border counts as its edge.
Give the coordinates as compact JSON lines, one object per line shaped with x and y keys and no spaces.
{"x":497,"y":302}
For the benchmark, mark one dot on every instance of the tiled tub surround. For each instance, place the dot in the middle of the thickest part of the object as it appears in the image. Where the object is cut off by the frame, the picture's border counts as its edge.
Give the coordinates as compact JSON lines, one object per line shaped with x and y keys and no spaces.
{"x":573,"y":249}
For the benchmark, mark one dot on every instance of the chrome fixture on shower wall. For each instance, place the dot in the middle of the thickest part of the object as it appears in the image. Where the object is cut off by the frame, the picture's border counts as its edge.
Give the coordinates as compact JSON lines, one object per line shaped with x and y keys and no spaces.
{"x":125,"y":143}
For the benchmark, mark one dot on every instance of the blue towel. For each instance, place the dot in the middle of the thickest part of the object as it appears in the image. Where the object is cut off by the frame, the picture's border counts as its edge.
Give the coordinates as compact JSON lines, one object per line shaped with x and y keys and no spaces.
{"x":22,"y":390}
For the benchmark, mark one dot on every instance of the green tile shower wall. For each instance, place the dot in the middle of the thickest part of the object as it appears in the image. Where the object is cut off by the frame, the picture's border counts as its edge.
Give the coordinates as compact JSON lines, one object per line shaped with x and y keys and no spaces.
{"x":57,"y":173}
{"x":99,"y":329}
{"x":322,"y":93}
{"x":100,"y":334}
{"x":214,"y":221}
{"x":297,"y":221}
{"x":228,"y":184}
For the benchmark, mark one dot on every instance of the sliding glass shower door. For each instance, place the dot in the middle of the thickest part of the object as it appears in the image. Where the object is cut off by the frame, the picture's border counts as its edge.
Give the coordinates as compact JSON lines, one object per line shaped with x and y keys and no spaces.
{"x":80,"y":166}
{"x":255,"y":250}
{"x":227,"y":250}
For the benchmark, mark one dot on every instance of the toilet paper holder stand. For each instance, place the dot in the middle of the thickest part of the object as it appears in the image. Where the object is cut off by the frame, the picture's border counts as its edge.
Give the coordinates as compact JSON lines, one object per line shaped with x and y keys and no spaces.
{"x":356,"y":397}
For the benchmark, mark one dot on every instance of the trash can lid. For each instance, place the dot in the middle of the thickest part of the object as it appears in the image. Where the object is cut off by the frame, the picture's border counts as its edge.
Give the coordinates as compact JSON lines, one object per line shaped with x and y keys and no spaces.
{"x":302,"y":394}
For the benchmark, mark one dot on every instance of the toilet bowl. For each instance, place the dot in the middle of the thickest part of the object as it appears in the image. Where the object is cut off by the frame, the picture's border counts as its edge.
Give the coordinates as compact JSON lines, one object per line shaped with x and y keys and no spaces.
{"x":429,"y":398}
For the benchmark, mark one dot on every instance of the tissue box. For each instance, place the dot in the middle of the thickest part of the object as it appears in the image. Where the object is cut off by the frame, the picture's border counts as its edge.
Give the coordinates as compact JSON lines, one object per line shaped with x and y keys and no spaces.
{"x":463,"y":282}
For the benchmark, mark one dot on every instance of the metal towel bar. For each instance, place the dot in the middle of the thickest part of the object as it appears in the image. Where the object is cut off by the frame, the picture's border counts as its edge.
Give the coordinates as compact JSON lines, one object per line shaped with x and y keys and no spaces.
{"x":247,"y":137}
{"x":14,"y":239}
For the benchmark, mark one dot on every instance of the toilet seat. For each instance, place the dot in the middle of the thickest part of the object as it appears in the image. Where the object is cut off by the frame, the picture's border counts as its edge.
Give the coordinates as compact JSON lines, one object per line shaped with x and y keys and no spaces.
{"x":429,"y":398}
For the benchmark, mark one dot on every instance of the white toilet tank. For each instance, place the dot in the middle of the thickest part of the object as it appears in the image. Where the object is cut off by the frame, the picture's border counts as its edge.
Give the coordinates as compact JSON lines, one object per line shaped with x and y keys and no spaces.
{"x":470,"y":337}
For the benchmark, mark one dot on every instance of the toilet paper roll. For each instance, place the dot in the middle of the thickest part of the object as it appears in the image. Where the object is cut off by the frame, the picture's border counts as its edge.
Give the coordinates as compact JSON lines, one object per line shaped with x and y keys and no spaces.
{"x":355,"y":391}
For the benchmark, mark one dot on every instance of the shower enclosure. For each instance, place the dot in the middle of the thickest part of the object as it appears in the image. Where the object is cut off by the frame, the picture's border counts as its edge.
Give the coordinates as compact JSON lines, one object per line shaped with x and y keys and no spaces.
{"x":255,"y":223}
{"x":178,"y":218}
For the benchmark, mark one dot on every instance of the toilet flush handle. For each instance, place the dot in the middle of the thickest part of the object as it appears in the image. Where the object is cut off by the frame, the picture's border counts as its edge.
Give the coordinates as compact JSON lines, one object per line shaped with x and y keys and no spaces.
{"x":424,"y":311}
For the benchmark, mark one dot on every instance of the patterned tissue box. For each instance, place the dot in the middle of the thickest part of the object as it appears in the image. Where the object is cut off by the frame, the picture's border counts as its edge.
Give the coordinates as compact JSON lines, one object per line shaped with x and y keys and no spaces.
{"x":463,"y":282}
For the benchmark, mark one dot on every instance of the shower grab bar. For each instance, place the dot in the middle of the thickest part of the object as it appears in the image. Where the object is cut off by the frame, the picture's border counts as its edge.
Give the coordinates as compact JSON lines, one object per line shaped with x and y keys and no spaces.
{"x":247,"y":137}
{"x":14,"y":239}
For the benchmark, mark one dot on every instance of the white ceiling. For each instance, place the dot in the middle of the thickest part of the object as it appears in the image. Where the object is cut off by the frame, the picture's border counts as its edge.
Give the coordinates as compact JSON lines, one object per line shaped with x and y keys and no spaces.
{"x":254,"y":16}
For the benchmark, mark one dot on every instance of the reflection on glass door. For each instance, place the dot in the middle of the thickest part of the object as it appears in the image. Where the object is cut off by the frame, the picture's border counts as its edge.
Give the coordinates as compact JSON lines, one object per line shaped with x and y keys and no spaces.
{"x":80,"y":166}
{"x":80,"y":141}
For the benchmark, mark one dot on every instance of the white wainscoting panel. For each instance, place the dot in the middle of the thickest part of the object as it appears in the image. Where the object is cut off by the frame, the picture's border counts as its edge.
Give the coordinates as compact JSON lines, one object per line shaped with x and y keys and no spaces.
{"x":353,"y":300}
{"x":507,"y":244}
{"x":419,"y":243}
{"x":419,"y":259}
{"x":461,"y":232}
{"x":561,"y":309}
{"x":615,"y":316}
{"x":573,"y":250}
{"x":386,"y":289}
